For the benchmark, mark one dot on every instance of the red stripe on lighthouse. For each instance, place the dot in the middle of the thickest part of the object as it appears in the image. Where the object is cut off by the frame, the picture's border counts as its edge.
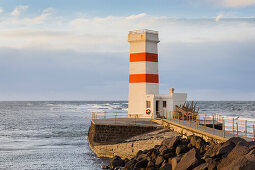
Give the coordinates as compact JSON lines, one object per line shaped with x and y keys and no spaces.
{"x":134,"y":57}
{"x":143,"y":78}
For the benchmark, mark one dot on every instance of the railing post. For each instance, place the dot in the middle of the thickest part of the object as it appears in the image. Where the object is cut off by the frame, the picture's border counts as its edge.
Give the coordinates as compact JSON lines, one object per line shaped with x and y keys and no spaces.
{"x":213,"y":124}
{"x":233,"y":126}
{"x":237,"y":128}
{"x":245,"y":127}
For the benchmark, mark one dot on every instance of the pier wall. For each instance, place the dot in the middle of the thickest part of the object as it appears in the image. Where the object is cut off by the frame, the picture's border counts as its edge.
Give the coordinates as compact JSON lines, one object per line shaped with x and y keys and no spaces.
{"x":112,"y":134}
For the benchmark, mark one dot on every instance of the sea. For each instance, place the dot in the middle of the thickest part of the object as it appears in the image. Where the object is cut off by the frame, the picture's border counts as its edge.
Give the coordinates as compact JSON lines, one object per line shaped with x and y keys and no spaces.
{"x":53,"y":134}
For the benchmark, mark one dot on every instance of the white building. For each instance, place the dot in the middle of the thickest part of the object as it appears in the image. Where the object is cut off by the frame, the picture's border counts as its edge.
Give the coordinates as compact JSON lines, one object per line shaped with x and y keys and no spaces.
{"x":144,"y":98}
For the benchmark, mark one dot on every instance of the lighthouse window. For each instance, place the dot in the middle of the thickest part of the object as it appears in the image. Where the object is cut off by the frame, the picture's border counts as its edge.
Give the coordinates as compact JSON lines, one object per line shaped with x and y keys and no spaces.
{"x":164,"y":104}
{"x":148,"y":104}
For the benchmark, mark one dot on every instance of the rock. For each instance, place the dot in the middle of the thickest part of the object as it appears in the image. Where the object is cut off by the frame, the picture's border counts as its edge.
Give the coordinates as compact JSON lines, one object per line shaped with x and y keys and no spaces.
{"x":226,"y":148}
{"x":172,"y":142}
{"x":237,"y":140}
{"x":129,"y":165}
{"x":150,"y":164}
{"x":166,"y":166}
{"x":181,"y":149}
{"x":175,"y":161}
{"x":141,"y":157}
{"x":159,"y":160}
{"x":189,"y":160}
{"x":116,"y":162}
{"x":105,"y":167}
{"x":242,"y":163}
{"x":151,"y":168}
{"x":126,"y":160}
{"x":238,"y":151}
{"x":154,"y":155}
{"x":162,"y":149}
{"x":203,"y":166}
{"x":141,"y":164}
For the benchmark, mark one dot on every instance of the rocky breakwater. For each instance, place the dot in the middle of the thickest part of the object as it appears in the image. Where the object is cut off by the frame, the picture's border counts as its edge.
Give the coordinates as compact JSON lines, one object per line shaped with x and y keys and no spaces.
{"x":177,"y":153}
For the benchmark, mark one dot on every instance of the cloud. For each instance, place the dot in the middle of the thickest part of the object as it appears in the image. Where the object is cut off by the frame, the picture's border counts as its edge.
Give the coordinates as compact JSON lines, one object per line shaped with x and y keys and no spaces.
{"x":17,"y":11}
{"x":231,"y":3}
{"x":218,"y":17}
{"x":1,"y":10}
{"x":238,"y":3}
{"x":110,"y":33}
{"x":69,"y":58}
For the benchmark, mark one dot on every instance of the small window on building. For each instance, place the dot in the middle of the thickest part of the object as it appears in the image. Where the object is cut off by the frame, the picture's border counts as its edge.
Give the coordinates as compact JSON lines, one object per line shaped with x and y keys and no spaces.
{"x":148,"y":104}
{"x":164,"y":104}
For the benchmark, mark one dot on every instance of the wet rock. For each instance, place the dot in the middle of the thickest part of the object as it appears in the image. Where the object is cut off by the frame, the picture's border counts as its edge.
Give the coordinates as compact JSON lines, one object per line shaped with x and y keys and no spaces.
{"x":189,"y":160}
{"x":116,"y":162}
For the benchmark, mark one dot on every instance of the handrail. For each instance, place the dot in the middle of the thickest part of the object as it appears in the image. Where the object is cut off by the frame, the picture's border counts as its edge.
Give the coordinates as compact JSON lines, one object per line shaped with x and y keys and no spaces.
{"x":235,"y":127}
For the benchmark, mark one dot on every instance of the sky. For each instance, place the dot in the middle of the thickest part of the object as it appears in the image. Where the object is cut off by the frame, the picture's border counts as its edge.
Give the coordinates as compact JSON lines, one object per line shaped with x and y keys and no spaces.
{"x":78,"y":50}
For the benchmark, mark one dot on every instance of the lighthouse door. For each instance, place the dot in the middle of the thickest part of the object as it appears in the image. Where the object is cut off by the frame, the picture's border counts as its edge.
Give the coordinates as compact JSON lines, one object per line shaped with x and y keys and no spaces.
{"x":157,"y":108}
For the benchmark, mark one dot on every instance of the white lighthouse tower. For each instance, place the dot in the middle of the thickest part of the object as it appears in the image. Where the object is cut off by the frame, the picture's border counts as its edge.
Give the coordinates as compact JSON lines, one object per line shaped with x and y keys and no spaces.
{"x":143,"y":70}
{"x":144,"y":99}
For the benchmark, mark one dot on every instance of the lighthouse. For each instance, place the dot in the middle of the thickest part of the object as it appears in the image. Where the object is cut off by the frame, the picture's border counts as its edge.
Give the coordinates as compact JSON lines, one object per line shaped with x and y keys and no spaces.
{"x":144,"y":100}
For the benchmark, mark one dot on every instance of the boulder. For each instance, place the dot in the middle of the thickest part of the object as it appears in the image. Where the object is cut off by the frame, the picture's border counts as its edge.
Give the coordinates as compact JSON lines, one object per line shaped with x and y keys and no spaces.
{"x":237,"y":140}
{"x":150,"y":164}
{"x":162,"y":149}
{"x":238,"y":151}
{"x":141,"y":157}
{"x":181,"y":149}
{"x":141,"y":164}
{"x":189,"y":160}
{"x":130,"y":165}
{"x":225,"y":148}
{"x":159,"y":160}
{"x":175,"y":161}
{"x":154,"y":155}
{"x":166,"y":166}
{"x":203,"y":166}
{"x":116,"y":162}
{"x":172,"y":142}
{"x":242,"y":163}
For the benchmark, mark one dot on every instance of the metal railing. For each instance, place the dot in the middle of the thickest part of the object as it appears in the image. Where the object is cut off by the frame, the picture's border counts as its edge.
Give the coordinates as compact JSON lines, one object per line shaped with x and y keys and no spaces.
{"x":231,"y":126}
{"x":116,"y":116}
